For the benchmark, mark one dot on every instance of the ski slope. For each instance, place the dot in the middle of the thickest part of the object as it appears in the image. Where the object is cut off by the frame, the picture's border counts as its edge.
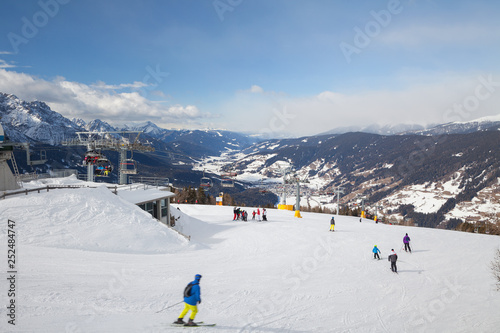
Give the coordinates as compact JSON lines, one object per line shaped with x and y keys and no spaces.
{"x":88,"y":261}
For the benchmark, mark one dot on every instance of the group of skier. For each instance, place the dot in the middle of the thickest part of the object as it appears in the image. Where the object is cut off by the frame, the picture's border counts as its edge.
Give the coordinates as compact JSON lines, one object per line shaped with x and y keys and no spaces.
{"x":393,"y":257}
{"x":192,"y":292}
{"x":242,"y":215}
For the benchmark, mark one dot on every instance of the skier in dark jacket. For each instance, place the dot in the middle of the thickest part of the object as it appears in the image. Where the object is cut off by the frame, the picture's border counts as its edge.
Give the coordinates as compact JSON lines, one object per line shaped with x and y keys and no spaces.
{"x":332,"y":224}
{"x":393,"y":257}
{"x":192,"y":297}
{"x":406,"y":242}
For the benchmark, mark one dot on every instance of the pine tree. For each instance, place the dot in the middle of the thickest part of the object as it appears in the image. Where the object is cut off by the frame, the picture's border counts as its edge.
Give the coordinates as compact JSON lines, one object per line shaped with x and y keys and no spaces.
{"x":202,"y":197}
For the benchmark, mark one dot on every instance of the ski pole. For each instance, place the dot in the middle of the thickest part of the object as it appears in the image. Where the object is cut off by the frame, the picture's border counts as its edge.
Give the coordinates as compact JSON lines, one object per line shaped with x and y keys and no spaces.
{"x":168,"y":307}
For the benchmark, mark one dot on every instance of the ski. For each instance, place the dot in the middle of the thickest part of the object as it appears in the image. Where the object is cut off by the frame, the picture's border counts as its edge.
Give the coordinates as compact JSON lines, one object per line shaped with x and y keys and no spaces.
{"x":198,"y":324}
{"x":201,"y":325}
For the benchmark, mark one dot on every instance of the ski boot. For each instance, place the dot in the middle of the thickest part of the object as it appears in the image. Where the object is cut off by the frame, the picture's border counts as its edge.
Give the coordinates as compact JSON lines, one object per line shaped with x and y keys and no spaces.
{"x":190,"y":323}
{"x":179,"y":321}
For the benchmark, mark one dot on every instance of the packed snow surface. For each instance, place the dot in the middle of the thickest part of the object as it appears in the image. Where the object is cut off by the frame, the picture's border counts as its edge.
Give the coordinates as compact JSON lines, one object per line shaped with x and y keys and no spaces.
{"x":89,"y":261}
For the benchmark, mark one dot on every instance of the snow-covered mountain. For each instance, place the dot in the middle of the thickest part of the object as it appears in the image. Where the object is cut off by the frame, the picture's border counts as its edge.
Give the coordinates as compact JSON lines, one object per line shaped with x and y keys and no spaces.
{"x":457,"y":127}
{"x":377,"y":129}
{"x":423,"y":178}
{"x":33,"y":121}
{"x":36,"y":122}
{"x":461,"y":127}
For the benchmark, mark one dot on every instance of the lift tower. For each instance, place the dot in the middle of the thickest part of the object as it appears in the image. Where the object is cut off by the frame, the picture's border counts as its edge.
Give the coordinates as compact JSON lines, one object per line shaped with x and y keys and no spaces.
{"x":9,"y":180}
{"x":119,"y":141}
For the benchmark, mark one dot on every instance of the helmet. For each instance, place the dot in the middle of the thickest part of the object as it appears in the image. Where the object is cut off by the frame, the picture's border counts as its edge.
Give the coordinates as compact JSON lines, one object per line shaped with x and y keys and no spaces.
{"x":197,"y":276}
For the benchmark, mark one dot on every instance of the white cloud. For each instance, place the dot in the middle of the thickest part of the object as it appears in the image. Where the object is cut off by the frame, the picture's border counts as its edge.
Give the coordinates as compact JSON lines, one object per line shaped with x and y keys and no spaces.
{"x":425,"y":99}
{"x":4,"y":64}
{"x":256,"y":89}
{"x":74,"y":99}
{"x":135,"y":85}
{"x":417,"y":35}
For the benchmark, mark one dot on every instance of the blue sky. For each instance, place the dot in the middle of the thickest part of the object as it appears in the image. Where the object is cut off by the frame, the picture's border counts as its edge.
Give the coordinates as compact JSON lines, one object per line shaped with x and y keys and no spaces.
{"x":275,"y":67}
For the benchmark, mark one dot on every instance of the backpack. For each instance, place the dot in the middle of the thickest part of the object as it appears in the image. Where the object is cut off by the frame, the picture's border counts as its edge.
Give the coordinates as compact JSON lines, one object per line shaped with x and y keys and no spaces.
{"x":187,"y":290}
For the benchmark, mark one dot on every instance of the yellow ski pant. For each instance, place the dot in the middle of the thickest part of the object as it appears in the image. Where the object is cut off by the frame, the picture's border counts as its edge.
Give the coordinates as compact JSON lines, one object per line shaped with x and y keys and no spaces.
{"x":187,"y":307}
{"x":332,"y":227}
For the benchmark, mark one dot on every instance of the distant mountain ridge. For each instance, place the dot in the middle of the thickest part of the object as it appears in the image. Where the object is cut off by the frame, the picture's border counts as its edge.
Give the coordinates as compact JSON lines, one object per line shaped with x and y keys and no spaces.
{"x":458,"y":127}
{"x":36,"y":122}
{"x":434,"y":176}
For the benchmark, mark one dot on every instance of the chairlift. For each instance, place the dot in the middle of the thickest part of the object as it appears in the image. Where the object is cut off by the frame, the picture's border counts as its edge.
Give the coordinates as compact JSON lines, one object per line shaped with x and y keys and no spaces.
{"x":227,"y":182}
{"x":129,"y":167}
{"x":227,"y":178}
{"x":103,"y":167}
{"x":229,"y":174}
{"x":206,"y":182}
{"x":91,"y":157}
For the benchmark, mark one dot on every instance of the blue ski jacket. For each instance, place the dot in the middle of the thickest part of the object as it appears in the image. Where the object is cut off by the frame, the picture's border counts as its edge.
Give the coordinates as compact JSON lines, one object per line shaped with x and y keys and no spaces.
{"x":195,"y":297}
{"x":375,"y":250}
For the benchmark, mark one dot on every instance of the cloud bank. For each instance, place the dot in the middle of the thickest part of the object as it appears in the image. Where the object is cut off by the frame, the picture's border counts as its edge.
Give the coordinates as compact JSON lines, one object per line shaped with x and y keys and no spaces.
{"x":121,"y":103}
{"x":424,"y":100}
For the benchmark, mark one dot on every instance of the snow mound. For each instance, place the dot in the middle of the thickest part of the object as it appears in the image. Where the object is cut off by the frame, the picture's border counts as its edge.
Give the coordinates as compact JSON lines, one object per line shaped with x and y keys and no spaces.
{"x":90,"y":219}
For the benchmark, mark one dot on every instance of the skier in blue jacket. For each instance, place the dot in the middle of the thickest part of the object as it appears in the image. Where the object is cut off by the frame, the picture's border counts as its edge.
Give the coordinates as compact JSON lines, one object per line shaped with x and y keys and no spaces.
{"x":376,"y":251}
{"x":192,"y":297}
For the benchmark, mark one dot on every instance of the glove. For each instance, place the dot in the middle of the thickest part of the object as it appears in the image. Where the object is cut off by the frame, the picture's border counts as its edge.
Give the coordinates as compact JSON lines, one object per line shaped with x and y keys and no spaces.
{"x":199,"y":302}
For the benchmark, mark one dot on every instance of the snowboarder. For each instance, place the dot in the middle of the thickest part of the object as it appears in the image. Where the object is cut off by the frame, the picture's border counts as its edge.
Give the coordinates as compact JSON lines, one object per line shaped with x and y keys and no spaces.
{"x":264,"y":215}
{"x":376,"y":251}
{"x":332,"y":224}
{"x":393,"y":257}
{"x":192,"y":297}
{"x":406,"y":242}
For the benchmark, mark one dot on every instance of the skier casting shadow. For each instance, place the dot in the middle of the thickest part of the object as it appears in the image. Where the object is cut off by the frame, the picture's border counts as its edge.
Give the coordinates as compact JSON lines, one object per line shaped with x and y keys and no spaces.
{"x":376,"y":251}
{"x":332,"y":224}
{"x":192,"y":297}
{"x":406,"y":242}
{"x":393,"y":257}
